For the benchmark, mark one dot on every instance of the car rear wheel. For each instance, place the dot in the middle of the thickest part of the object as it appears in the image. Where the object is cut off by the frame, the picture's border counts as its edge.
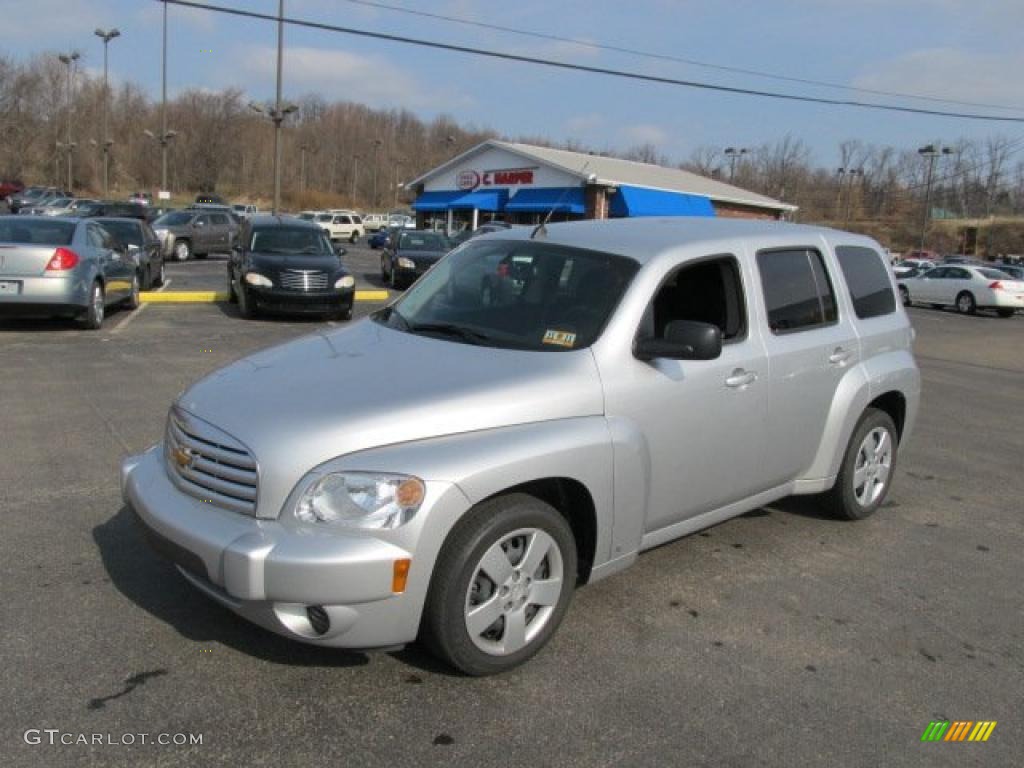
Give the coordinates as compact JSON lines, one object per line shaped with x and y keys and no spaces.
{"x":182,"y":250}
{"x":502,"y":585}
{"x":965,"y":304}
{"x":133,"y":301}
{"x":161,"y":275}
{"x":867,"y":469}
{"x":384,"y":270}
{"x":354,"y":237}
{"x":94,"y":313}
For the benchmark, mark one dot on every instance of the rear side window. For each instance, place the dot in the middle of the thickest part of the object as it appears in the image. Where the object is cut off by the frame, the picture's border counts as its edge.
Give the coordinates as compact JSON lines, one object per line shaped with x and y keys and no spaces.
{"x":868,"y":281}
{"x":797,"y":291}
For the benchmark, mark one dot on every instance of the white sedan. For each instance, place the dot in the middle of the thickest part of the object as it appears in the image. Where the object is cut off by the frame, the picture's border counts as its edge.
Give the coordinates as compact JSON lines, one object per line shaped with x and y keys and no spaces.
{"x":966,"y":287}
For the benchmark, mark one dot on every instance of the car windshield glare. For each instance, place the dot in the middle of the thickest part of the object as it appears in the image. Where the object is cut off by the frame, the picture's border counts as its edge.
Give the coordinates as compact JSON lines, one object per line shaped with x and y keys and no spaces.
{"x":423,"y":241}
{"x":515,"y":294}
{"x":287,"y":241}
{"x":36,"y":231}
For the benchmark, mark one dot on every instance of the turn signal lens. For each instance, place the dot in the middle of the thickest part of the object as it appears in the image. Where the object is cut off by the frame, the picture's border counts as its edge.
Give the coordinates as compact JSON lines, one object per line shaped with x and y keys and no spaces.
{"x":401,"y":575}
{"x":63,"y":259}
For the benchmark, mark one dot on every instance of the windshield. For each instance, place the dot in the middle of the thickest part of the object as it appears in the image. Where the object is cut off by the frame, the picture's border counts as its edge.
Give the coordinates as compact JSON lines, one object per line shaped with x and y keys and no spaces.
{"x":129,"y":234}
{"x":283,"y":240}
{"x":423,"y":241}
{"x":36,"y":230}
{"x":515,"y":294}
{"x":61,"y":202}
{"x":173,"y":219}
{"x":324,"y":216}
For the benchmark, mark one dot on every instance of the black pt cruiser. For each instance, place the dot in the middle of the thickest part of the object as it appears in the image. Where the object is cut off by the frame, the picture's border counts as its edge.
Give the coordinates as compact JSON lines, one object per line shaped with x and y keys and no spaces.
{"x":284,"y":264}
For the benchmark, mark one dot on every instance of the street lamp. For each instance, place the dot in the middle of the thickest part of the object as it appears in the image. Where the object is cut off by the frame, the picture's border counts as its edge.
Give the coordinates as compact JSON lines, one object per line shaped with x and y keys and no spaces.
{"x":734,"y":154}
{"x":106,"y":37}
{"x":929,"y":151}
{"x":69,"y":60}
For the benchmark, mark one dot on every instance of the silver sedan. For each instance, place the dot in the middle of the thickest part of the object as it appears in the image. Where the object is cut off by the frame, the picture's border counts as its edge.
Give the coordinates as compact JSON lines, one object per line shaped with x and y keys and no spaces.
{"x":55,"y":266}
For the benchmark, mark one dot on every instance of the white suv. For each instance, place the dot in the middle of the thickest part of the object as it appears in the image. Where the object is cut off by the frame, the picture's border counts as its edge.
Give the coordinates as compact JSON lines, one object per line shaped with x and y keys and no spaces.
{"x":341,"y":226}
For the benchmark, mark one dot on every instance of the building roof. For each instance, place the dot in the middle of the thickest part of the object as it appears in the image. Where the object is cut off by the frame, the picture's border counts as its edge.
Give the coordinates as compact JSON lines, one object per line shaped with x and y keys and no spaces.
{"x":613,"y":171}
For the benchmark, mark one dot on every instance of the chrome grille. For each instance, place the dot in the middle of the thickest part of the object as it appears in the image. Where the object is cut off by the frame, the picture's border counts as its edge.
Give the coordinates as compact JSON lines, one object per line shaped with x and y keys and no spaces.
{"x":208,"y":464}
{"x":303,"y":279}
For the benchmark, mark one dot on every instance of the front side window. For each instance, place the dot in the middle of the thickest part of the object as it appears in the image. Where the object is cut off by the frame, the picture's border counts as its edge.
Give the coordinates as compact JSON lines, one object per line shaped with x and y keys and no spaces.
{"x":868,"y":280}
{"x":797,"y":292}
{"x":515,"y":295}
{"x":709,"y":291}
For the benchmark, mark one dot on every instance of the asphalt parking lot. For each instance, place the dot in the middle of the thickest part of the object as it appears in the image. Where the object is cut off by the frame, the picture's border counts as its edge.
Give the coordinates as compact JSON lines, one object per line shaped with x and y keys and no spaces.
{"x":778,"y":638}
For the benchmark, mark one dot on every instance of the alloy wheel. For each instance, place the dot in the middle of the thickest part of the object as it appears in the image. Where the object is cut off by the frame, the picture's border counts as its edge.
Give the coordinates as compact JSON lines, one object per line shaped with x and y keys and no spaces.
{"x":873,"y":466}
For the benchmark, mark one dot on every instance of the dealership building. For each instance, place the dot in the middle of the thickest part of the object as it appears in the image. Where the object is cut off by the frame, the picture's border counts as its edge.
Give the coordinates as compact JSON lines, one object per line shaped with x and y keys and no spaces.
{"x":522,"y":183}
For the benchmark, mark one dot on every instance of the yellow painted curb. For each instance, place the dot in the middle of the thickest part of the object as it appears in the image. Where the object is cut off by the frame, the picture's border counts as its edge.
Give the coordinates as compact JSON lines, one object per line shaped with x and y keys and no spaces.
{"x":209,"y":297}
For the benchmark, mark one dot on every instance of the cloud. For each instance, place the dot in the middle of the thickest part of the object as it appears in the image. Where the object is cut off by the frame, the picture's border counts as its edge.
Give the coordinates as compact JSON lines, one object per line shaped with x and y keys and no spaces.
{"x":344,"y":75}
{"x":196,"y":18}
{"x":645,"y":134}
{"x":54,"y":22}
{"x":582,"y":125}
{"x":950,"y":73}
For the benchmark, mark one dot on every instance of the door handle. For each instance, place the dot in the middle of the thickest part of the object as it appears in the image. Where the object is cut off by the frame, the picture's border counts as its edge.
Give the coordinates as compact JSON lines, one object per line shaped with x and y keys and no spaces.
{"x":839,"y":356}
{"x":740,"y":378}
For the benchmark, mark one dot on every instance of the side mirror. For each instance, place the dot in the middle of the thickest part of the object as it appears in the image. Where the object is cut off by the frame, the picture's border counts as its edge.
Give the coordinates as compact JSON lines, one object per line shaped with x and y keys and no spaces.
{"x":684,"y":340}
{"x":340,"y":250}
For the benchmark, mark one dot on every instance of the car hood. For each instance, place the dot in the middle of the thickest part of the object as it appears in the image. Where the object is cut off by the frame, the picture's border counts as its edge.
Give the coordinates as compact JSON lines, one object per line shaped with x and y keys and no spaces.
{"x":300,"y":404}
{"x":276,"y":261}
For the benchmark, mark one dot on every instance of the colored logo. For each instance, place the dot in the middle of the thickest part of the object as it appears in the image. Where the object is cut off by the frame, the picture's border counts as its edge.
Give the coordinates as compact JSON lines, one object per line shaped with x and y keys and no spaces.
{"x":958,"y":730}
{"x":183,"y":457}
{"x":468,"y":180}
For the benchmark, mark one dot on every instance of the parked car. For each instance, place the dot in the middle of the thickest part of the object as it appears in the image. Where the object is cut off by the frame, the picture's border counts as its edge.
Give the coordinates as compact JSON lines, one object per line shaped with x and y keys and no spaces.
{"x":52,"y":206}
{"x":1015,"y":271}
{"x":211,"y":199}
{"x":31,"y":196}
{"x":454,"y":466}
{"x":408,"y":255}
{"x":966,"y":287}
{"x":380,"y":238}
{"x":308,"y":215}
{"x":245,"y":210}
{"x":144,"y":248}
{"x":63,"y":267}
{"x":195,"y":232}
{"x":154,"y":212}
{"x":142,"y":198}
{"x":341,"y":226}
{"x":112,"y":209}
{"x":9,"y":187}
{"x":906,"y":265}
{"x":373,"y":222}
{"x":288,"y":265}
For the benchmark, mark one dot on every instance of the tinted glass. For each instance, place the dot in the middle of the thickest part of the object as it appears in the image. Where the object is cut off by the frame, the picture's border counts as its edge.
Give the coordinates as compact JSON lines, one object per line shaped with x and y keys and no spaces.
{"x":130,"y":234}
{"x":285,"y":240}
{"x":868,"y":281}
{"x":173,"y":219}
{"x":422,"y":241}
{"x":797,"y":290}
{"x":324,"y":217}
{"x":994,"y":274}
{"x":517,"y":295}
{"x":958,"y":273}
{"x":24,"y":229}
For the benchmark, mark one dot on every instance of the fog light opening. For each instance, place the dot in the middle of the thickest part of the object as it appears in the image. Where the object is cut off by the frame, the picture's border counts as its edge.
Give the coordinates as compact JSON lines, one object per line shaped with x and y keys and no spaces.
{"x":318,"y":619}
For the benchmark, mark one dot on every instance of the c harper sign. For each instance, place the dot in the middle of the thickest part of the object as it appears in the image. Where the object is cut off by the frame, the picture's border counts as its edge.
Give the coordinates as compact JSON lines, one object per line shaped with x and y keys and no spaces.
{"x":504,"y":177}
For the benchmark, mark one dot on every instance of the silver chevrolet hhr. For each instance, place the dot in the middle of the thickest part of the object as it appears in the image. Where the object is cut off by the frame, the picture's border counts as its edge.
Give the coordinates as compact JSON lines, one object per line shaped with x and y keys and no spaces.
{"x":534,"y":412}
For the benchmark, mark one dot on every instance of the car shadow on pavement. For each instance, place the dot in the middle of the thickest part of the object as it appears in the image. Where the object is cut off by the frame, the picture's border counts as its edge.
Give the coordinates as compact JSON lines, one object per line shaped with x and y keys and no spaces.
{"x":155,"y":585}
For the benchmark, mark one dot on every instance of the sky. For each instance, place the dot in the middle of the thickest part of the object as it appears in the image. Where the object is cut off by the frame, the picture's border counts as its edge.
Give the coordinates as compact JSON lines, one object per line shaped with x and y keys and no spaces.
{"x":967,"y":50}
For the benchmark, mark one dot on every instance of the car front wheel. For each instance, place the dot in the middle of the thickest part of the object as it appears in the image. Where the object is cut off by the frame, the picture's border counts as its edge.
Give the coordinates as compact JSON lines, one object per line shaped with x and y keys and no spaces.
{"x":502,"y":585}
{"x":182,"y":250}
{"x":245,"y":303}
{"x":866,"y":472}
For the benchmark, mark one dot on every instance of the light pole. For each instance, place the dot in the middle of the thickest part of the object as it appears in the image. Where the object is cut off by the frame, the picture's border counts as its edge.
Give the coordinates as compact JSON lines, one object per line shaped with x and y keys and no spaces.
{"x":279,"y":111}
{"x":929,"y":151}
{"x":734,"y":154}
{"x":840,"y":173}
{"x":164,"y":139}
{"x":69,"y":59}
{"x":399,"y":162}
{"x":355,"y":175}
{"x":376,"y":150}
{"x":852,"y":173}
{"x":106,"y":37}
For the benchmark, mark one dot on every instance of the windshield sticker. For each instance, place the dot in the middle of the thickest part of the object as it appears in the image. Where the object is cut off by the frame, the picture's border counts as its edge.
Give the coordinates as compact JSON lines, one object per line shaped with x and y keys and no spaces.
{"x":560,"y":338}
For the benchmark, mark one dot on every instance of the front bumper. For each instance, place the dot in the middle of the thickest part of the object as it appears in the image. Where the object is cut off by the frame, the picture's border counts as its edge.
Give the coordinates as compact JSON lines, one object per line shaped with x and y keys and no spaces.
{"x":314,"y":302}
{"x":270,"y":572}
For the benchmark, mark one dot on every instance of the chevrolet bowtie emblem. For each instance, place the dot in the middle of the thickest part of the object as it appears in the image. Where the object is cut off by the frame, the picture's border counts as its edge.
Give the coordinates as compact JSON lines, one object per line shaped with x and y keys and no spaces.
{"x":183,"y":457}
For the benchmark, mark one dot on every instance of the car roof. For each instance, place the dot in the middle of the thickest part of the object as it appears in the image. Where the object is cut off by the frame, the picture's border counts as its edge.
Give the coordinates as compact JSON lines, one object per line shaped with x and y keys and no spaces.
{"x":644,"y":239}
{"x":265,"y":221}
{"x":118,"y":220}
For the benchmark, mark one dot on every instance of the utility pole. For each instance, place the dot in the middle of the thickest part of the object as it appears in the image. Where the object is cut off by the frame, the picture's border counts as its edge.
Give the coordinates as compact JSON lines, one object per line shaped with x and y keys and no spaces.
{"x":840,"y":172}
{"x":106,"y":37}
{"x":376,"y":150}
{"x":929,"y":151}
{"x":69,"y":61}
{"x":355,"y":175}
{"x":302,"y":172}
{"x":853,"y":172}
{"x":399,"y":162}
{"x":734,"y":154}
{"x":165,"y":135}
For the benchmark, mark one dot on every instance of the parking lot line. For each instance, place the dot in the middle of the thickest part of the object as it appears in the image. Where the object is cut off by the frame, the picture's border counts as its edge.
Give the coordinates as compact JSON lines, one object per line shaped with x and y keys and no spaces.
{"x":183,"y":297}
{"x":127,"y":321}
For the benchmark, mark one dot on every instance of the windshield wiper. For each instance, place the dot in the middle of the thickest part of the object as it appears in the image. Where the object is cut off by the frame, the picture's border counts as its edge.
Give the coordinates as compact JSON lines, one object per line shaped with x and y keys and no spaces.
{"x":451,"y":329}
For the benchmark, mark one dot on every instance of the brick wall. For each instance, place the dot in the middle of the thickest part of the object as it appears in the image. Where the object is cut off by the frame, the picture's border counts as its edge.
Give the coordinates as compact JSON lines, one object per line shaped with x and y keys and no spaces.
{"x":595,"y":202}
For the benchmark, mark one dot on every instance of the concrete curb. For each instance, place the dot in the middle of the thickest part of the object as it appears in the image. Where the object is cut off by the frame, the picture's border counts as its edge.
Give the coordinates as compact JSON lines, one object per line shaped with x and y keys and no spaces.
{"x":211,"y":297}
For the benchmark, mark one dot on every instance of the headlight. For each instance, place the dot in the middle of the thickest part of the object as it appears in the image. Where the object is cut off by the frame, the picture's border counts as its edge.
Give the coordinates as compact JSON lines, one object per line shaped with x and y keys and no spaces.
{"x":362,"y":500}
{"x":161,"y":233}
{"x":255,"y":278}
{"x":405,"y":263}
{"x":345,"y":282}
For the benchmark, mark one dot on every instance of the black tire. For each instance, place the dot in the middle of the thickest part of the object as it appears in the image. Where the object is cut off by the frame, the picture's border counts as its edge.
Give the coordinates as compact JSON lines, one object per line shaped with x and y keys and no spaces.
{"x":245,"y":304}
{"x":444,"y":628}
{"x":161,"y":274}
{"x":232,"y":294}
{"x":842,"y":500}
{"x":965,"y":303}
{"x":383,"y":271}
{"x":1005,"y":312}
{"x":354,"y":237}
{"x":905,"y":296}
{"x":182,"y":250}
{"x":393,"y":281}
{"x":341,"y":315}
{"x":95,"y":312}
{"x":133,"y":301}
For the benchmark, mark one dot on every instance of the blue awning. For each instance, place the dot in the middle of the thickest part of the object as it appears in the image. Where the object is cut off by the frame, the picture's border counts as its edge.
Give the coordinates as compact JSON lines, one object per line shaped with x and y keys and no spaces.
{"x":560,"y":199}
{"x":482,"y":200}
{"x":640,"y":201}
{"x":436,"y":201}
